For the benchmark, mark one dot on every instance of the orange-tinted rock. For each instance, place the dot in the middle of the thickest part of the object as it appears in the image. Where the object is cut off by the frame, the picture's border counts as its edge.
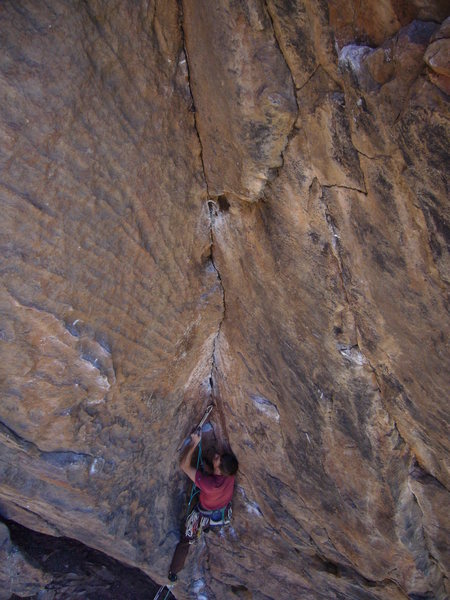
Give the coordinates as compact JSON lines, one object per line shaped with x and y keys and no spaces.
{"x":305,"y":38}
{"x":243,"y":95}
{"x":437,"y":57}
{"x":374,"y":22}
{"x":138,"y":283}
{"x":104,"y":227}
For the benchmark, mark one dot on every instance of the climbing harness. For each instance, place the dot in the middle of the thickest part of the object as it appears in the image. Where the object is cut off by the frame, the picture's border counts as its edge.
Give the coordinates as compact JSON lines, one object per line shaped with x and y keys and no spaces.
{"x":200,"y":520}
{"x":218,"y":517}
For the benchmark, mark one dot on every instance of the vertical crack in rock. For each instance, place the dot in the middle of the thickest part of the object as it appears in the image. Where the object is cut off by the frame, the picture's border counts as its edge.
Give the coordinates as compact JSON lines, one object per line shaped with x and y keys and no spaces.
{"x":245,"y":113}
{"x":185,"y":50}
{"x":291,"y":133}
{"x":211,"y":209}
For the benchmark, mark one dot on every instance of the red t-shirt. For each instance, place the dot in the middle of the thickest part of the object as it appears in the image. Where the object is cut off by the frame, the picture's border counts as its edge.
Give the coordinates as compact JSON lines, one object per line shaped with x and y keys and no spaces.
{"x":216,"y":491}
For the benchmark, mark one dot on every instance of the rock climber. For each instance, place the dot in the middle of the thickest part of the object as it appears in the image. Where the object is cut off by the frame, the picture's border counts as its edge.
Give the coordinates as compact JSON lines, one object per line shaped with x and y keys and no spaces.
{"x":214,"y":506}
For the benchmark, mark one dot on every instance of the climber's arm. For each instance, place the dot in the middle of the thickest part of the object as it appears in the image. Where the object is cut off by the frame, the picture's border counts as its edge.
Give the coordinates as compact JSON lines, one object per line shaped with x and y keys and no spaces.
{"x":185,"y":463}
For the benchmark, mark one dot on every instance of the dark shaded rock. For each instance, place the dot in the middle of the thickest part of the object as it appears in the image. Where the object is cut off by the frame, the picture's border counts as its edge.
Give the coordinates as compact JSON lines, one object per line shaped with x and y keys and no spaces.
{"x":17,"y":575}
{"x":77,"y":571}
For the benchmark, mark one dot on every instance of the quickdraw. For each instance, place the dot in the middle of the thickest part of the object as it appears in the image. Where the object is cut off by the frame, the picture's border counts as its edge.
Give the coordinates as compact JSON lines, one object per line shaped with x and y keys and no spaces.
{"x":199,"y":426}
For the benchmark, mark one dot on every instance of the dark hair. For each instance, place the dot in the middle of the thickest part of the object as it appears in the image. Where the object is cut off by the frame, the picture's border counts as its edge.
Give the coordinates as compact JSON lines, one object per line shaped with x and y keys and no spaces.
{"x":229,"y":464}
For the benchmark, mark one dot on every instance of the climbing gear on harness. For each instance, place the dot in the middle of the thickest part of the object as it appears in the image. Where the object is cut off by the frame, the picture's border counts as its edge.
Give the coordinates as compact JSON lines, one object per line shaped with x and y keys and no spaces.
{"x":218,"y":517}
{"x":199,"y":426}
{"x":195,"y":523}
{"x":200,"y":520}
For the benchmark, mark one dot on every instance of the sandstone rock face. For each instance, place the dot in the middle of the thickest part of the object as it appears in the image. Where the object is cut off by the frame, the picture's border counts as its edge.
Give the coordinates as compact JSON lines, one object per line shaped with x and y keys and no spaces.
{"x":437,"y":57}
{"x":97,"y":371}
{"x":244,"y":203}
{"x":243,"y":93}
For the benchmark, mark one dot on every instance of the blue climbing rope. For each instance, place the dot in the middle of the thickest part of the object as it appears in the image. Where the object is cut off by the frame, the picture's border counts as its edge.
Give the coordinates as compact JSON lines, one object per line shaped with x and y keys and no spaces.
{"x":195,"y":489}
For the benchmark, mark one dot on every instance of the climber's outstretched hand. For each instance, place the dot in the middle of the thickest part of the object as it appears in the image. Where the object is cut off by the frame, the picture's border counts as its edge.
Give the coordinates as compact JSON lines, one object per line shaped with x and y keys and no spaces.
{"x":195,"y":439}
